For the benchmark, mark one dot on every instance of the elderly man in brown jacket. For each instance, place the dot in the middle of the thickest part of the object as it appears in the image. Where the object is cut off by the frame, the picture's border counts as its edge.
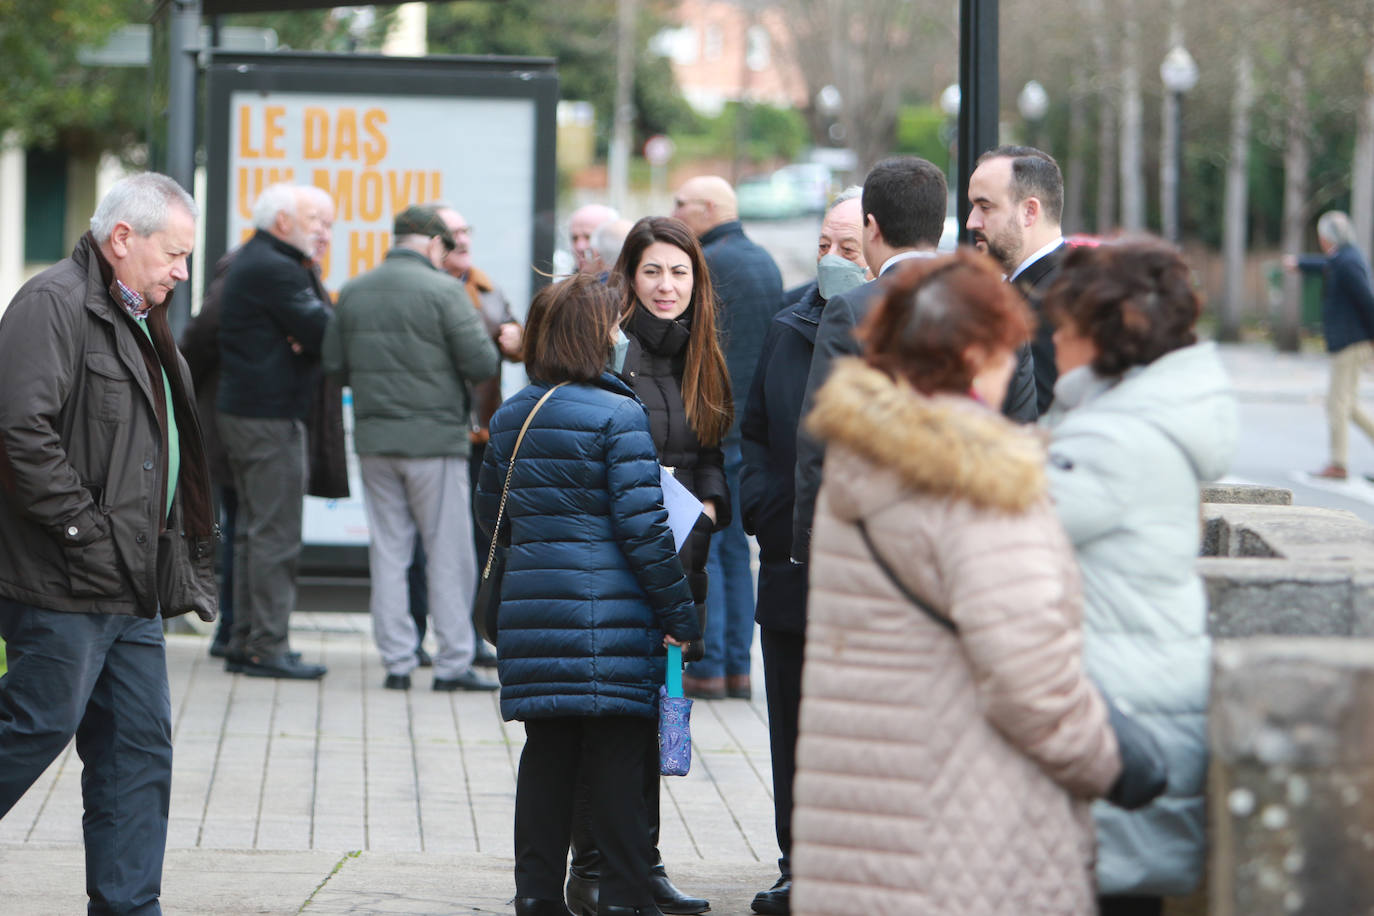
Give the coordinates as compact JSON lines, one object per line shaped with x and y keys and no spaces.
{"x":105,"y":528}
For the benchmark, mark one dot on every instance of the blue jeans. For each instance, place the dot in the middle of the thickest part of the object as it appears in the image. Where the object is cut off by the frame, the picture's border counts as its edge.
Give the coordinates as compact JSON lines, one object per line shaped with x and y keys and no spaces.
{"x":730,"y":595}
{"x":103,"y":679}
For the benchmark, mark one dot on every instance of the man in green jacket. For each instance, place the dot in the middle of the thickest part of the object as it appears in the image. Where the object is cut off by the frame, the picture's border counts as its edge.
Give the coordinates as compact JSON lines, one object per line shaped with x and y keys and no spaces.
{"x":407,"y":340}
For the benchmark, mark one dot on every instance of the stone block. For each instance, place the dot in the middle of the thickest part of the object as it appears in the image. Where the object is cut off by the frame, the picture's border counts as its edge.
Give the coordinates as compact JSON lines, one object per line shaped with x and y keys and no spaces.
{"x":1249,"y":494}
{"x":1256,"y":597}
{"x":1293,"y":776}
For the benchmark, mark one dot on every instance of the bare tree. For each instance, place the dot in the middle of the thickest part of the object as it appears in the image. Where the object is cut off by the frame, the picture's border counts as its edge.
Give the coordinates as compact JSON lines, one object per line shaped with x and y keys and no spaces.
{"x":1132,"y":122}
{"x":1098,"y":25}
{"x":1297,"y":160}
{"x":1236,"y":207}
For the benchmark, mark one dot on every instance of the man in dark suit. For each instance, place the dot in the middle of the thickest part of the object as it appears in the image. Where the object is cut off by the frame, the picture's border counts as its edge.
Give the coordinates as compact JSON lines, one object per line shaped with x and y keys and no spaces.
{"x":748,"y":288}
{"x":904,"y":214}
{"x":1017,"y":193}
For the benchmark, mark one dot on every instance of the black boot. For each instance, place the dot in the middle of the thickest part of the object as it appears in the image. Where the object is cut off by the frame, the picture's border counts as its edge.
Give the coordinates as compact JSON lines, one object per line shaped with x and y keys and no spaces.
{"x":582,"y":893}
{"x":669,"y":898}
{"x":533,"y":906}
{"x":610,"y":909}
{"x":777,"y":900}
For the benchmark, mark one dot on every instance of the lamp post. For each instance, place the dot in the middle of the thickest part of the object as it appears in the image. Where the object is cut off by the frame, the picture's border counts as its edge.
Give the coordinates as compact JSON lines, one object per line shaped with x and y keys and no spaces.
{"x":1178,"y":70}
{"x":1034,"y":103}
{"x":950,"y":100}
{"x":829,"y":103}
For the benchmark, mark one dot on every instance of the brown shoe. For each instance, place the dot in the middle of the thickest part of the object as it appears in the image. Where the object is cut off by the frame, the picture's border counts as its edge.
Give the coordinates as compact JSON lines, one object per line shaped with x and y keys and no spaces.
{"x":703,"y":688}
{"x":1331,"y":472}
{"x":737,"y":687}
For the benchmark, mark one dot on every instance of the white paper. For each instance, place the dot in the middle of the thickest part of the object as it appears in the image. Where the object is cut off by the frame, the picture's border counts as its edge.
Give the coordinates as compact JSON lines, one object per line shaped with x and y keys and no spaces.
{"x":683,"y":508}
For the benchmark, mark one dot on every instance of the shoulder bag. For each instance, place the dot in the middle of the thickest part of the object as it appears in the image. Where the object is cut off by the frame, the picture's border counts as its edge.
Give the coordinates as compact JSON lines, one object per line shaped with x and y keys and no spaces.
{"x":1144,"y":768}
{"x":487,"y":605}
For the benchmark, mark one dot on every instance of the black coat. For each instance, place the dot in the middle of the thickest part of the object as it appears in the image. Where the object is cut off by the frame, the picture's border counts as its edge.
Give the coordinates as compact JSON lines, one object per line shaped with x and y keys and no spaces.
{"x":769,"y":441}
{"x":1034,"y":282}
{"x":654,"y":364}
{"x":748,"y":289}
{"x":835,"y":339}
{"x":1347,"y":301}
{"x":269,"y":296}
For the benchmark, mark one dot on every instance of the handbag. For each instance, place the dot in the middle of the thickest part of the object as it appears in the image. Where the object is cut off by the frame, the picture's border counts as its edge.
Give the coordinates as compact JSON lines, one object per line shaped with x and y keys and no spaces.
{"x":1144,"y":768}
{"x":486,"y":606}
{"x":674,"y":720}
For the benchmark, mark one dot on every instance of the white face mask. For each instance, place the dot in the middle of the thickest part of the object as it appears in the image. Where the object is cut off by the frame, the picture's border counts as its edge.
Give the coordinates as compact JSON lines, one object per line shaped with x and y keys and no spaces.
{"x":618,"y":351}
{"x":836,"y":275}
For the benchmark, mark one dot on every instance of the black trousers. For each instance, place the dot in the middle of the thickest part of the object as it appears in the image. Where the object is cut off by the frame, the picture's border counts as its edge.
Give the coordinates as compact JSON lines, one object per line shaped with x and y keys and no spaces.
{"x":102,"y":678}
{"x":606,"y":755}
{"x":1130,"y":906}
{"x":783,"y":653}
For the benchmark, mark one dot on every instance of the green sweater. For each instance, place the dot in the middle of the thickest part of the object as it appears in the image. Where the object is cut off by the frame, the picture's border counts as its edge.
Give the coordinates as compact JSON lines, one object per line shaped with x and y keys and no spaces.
{"x":408,"y":341}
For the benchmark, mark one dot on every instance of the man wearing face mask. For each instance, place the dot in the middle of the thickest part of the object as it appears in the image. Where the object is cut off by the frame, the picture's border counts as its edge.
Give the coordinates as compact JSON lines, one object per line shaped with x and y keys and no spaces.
{"x":769,"y":433}
{"x":408,"y":341}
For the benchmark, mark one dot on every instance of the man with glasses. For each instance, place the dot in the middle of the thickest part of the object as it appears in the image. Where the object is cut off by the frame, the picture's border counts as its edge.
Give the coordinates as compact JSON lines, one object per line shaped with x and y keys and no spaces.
{"x":408,"y":341}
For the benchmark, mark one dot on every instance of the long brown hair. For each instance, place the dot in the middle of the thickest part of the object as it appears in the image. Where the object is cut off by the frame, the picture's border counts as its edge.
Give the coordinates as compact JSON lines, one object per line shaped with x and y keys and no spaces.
{"x":705,"y":381}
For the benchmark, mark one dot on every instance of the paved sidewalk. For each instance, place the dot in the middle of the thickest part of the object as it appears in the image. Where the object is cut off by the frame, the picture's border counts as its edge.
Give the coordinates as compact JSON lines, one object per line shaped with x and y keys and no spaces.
{"x":340,"y":797}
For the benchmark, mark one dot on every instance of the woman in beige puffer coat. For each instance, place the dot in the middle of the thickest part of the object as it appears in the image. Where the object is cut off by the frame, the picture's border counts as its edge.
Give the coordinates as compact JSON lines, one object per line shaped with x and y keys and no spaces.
{"x":942,"y":773}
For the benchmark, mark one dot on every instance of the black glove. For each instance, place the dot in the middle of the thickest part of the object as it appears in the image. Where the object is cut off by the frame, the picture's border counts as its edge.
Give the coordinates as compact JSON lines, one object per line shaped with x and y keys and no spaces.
{"x":1144,"y":768}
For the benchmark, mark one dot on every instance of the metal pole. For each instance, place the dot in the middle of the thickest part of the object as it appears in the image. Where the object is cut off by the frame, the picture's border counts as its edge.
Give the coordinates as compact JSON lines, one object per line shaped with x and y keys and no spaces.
{"x":618,"y":158}
{"x":1178,"y":168}
{"x":978,"y":99}
{"x":1168,"y":167}
{"x":184,"y":45}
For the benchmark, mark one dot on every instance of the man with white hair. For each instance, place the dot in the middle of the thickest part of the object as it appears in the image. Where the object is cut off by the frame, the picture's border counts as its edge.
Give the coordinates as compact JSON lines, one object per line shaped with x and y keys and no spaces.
{"x":106,"y":528}
{"x":581,"y":225}
{"x":271,"y":325}
{"x":1348,"y":325}
{"x":607,"y":241}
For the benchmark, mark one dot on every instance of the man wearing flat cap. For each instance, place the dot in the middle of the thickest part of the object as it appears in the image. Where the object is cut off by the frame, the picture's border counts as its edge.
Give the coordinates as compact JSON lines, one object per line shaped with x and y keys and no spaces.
{"x":408,"y":341}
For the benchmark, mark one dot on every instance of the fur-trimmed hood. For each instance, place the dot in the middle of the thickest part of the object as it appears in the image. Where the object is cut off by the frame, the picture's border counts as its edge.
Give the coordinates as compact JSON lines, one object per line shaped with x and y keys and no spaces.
{"x":945,"y":445}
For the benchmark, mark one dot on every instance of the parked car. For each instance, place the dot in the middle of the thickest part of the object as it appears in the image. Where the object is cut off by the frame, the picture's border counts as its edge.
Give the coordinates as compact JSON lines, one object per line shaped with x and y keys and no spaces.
{"x":772,"y":196}
{"x":813,"y":182}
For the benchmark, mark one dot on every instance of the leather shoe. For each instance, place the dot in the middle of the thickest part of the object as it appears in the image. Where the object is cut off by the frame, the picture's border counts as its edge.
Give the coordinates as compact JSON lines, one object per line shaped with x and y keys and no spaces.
{"x":484,"y":657}
{"x":219,"y":649}
{"x":533,"y":906}
{"x":737,"y":687}
{"x":285,"y":666}
{"x":611,"y":909}
{"x":468,"y":680}
{"x":397,"y":682}
{"x":671,"y":900}
{"x":703,"y":688}
{"x":581,"y":895}
{"x":776,"y":901}
{"x":235,"y":659}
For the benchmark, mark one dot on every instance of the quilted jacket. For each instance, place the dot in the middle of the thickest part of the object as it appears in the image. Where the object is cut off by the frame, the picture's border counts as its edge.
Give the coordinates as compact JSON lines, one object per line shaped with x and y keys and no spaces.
{"x":1125,"y":461}
{"x":592,"y":580}
{"x":937,"y":773}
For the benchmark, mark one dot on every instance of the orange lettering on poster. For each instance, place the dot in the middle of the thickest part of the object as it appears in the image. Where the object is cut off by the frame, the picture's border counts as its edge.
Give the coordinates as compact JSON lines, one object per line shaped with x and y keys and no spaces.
{"x":251,"y":180}
{"x":370,"y":196}
{"x":401,"y":190}
{"x":436,"y":186}
{"x":346,"y":135}
{"x":374,"y":150}
{"x":365,"y":250}
{"x":340,"y":189}
{"x":273,"y":131}
{"x":316,"y":138}
{"x":246,"y":150}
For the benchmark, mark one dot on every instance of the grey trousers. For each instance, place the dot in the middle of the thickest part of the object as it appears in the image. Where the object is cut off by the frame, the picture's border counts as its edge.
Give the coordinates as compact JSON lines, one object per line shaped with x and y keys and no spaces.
{"x":428,"y":497}
{"x":268,"y":460}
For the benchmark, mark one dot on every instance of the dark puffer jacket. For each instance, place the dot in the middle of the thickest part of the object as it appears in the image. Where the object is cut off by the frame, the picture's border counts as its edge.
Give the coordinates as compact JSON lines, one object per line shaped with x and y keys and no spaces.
{"x":592,"y":581}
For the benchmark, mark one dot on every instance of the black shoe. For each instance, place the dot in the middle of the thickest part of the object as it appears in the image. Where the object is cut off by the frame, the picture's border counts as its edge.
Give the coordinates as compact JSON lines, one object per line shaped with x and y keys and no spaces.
{"x":234,"y":660}
{"x":671,"y":900}
{"x":776,"y":901}
{"x":484,"y":657}
{"x":219,"y":649}
{"x":468,"y":680}
{"x":533,"y":906}
{"x":611,"y":909}
{"x":397,"y":682}
{"x":287,"y":666}
{"x":581,"y":895}
{"x":424,"y":660}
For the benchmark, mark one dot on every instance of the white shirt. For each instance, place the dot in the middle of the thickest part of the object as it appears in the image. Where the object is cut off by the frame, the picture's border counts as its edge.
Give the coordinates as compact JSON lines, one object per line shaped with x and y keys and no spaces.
{"x":1058,"y":240}
{"x":905,"y":256}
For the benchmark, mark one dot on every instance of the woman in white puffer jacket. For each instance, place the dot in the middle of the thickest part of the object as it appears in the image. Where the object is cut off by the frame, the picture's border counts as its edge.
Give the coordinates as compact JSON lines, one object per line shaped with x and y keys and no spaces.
{"x":1143,"y":414}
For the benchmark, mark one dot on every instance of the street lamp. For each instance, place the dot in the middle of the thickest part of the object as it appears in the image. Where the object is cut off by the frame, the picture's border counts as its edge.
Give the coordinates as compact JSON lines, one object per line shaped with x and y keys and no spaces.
{"x":950,"y":100}
{"x":1034,"y":103}
{"x":1178,"y":70}
{"x":830,"y":102}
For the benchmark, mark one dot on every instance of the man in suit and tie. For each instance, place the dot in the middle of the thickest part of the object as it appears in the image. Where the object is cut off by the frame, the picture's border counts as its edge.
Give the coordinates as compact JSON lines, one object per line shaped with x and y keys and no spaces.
{"x":903,"y":204}
{"x":1017,"y":193}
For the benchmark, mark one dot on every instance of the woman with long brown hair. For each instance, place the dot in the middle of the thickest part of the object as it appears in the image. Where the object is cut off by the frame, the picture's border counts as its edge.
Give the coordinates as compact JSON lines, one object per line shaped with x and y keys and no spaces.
{"x":675,"y":365}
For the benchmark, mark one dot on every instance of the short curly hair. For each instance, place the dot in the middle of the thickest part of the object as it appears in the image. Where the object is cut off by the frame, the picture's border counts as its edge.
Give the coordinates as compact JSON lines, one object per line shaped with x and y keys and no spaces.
{"x":1134,"y":299}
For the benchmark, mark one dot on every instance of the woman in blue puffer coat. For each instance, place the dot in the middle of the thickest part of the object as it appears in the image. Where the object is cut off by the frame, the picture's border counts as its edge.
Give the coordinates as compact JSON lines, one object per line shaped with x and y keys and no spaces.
{"x":593,"y":590}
